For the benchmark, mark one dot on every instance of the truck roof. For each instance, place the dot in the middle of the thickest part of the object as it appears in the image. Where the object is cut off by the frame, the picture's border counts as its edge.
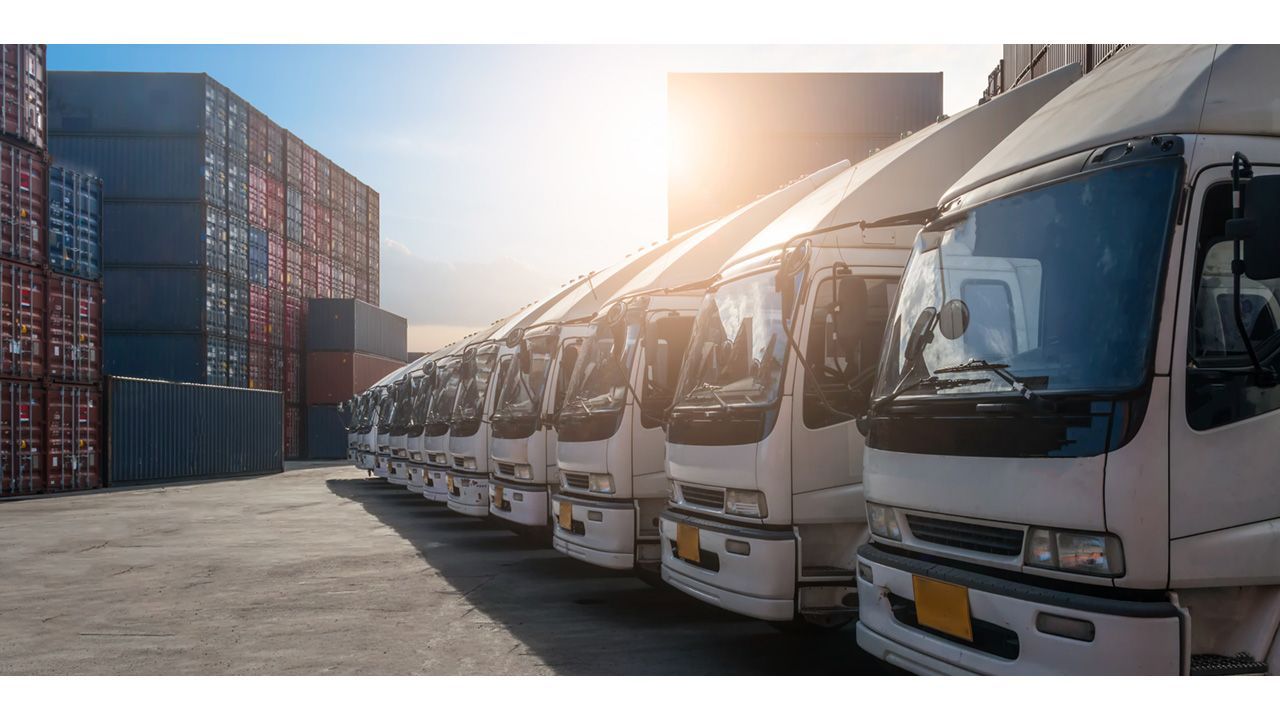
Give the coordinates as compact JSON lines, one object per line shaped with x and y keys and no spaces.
{"x":1145,"y":90}
{"x":700,"y":254}
{"x":596,"y":288}
{"x":910,"y":175}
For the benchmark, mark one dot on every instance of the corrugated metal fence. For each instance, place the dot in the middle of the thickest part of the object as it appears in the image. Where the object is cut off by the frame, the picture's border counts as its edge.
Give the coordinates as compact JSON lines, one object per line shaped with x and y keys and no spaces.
{"x":158,"y":430}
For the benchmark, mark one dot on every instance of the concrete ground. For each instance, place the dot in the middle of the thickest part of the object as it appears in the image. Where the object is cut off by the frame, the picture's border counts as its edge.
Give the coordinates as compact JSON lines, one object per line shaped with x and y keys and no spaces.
{"x":321,"y":570}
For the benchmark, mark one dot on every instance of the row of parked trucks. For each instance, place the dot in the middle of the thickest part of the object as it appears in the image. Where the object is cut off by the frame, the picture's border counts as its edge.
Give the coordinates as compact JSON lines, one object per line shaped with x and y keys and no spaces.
{"x":1004,"y":393}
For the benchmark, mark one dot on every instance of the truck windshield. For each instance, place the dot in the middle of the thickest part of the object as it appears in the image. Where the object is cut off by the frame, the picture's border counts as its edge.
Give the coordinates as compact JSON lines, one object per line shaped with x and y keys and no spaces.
{"x":400,"y":413}
{"x":521,"y":393}
{"x":599,"y":380}
{"x":738,"y":348}
{"x":422,"y":397}
{"x":472,"y":393}
{"x":385,"y":408}
{"x":443,"y":396}
{"x":1060,"y":283}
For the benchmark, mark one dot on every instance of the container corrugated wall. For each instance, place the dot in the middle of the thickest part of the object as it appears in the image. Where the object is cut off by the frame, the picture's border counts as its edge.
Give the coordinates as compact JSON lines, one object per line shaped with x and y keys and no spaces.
{"x":346,"y":325}
{"x":159,"y":431}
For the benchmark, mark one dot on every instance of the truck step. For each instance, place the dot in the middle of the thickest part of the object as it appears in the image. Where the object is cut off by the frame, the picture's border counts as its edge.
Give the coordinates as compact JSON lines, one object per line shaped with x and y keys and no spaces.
{"x":1241,"y":664}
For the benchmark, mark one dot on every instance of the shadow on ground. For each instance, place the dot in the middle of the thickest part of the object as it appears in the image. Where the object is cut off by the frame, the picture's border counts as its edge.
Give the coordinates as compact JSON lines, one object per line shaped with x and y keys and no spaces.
{"x":580,"y":619}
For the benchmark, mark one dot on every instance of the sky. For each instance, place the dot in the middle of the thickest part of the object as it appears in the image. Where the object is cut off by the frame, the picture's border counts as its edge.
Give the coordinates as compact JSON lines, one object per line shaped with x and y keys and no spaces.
{"x":503,"y":170}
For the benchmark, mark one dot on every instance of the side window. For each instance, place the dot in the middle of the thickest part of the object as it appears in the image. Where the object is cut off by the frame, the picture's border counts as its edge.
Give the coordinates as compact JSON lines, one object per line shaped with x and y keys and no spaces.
{"x":1216,"y":398}
{"x":500,"y":377}
{"x":666,"y":340}
{"x":845,"y":334}
{"x":568,"y":359}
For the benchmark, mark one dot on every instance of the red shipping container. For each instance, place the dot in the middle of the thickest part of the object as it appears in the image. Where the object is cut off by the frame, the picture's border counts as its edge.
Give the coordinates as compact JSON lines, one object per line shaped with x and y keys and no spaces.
{"x":74,"y":416}
{"x":324,"y":238}
{"x":74,"y":329}
{"x":22,"y":329}
{"x":308,"y":273}
{"x":23,"y":204}
{"x":309,"y":224}
{"x":324,"y":277}
{"x":295,"y":320}
{"x":293,"y":159}
{"x":21,"y":438}
{"x":257,"y":138}
{"x":308,"y":173}
{"x":293,"y":269}
{"x":333,"y":377}
{"x":337,"y":234}
{"x":23,"y":98}
{"x":257,"y":196}
{"x":275,"y":205}
{"x":292,"y":376}
{"x":258,"y":302}
{"x":275,"y":318}
{"x":292,"y":431}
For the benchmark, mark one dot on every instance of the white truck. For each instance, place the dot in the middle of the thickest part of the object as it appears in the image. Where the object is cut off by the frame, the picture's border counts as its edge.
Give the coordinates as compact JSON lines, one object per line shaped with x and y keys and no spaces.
{"x":765,"y":514}
{"x":1071,"y":455}
{"x":522,"y":446}
{"x":415,"y":442}
{"x":610,"y":435}
{"x":484,"y":368}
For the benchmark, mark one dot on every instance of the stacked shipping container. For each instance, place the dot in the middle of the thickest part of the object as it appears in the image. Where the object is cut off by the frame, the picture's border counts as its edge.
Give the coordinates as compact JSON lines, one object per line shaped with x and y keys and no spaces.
{"x":350,"y":346}
{"x":225,"y":223}
{"x":1022,"y":63}
{"x":50,"y":297}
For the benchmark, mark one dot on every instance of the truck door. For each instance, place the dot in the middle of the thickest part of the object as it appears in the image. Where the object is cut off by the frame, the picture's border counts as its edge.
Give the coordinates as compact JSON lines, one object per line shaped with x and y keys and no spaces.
{"x":1223,"y":453}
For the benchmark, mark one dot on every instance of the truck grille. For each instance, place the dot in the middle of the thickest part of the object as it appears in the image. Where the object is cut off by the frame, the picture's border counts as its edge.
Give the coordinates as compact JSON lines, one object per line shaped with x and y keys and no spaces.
{"x":507,"y":469}
{"x":982,"y":538}
{"x":457,"y":462}
{"x":577,"y":481}
{"x":709,"y":498}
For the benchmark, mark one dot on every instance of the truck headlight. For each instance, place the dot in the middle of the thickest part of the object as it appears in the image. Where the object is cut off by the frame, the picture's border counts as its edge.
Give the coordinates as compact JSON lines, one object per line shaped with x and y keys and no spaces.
{"x":415,"y":456}
{"x":747,"y":503}
{"x":883,"y":522}
{"x":1072,"y":551}
{"x":522,"y":472}
{"x":468,"y":463}
{"x":601,"y":483}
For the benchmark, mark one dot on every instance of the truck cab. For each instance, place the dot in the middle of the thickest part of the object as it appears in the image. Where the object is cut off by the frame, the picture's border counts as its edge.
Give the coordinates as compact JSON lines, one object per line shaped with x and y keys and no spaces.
{"x":610,"y":434}
{"x":1070,"y":455}
{"x":765,"y":511}
{"x":435,"y":433}
{"x":523,"y":443}
{"x":403,"y":390}
{"x":367,"y":431}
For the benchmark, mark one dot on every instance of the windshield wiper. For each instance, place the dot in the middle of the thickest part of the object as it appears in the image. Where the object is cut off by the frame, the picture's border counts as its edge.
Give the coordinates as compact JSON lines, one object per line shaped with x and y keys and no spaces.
{"x":999,"y":369}
{"x":708,"y":387}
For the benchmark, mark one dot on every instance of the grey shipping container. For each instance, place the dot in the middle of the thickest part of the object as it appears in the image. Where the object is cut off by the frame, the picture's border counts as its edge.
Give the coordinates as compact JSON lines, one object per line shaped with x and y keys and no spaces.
{"x":158,"y":431}
{"x":161,"y":300}
{"x":326,"y":433}
{"x":344,"y":324}
{"x":180,"y":357}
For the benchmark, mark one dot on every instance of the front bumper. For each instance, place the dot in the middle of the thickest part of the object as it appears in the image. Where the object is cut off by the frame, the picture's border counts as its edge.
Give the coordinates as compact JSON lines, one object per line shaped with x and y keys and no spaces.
{"x":603,"y":532}
{"x":398,"y":471}
{"x":382,"y":466}
{"x":366,"y":460}
{"x":470,"y":494}
{"x":436,"y":488}
{"x":417,"y":478}
{"x":761,"y":584}
{"x":519,"y":503}
{"x":1131,"y":637}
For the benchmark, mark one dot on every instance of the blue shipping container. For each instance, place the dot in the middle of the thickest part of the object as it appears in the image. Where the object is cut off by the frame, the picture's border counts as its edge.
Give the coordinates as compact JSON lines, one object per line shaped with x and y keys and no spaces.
{"x":181,"y":357}
{"x":122,"y":102}
{"x":159,"y":431}
{"x":258,"y":256}
{"x":326,"y":433}
{"x":158,"y":299}
{"x":75,"y":223}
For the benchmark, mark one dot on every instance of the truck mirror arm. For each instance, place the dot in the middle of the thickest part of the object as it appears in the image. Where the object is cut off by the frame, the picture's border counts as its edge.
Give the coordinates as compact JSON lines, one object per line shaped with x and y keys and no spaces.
{"x":1238,"y":230}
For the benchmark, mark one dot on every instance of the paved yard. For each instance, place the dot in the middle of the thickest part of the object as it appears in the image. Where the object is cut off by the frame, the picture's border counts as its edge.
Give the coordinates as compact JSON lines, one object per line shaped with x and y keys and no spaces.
{"x":321,"y":570}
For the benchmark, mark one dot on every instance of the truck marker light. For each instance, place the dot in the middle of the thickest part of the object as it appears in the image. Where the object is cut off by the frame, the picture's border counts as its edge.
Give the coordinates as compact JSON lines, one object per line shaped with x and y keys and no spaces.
{"x":864,"y":572}
{"x":737,"y":547}
{"x":1073,"y":628}
{"x":595,"y":515}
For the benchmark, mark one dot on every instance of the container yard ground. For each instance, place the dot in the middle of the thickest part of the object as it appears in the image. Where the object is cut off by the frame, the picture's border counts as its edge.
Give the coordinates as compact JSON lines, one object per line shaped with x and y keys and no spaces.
{"x":321,"y":570}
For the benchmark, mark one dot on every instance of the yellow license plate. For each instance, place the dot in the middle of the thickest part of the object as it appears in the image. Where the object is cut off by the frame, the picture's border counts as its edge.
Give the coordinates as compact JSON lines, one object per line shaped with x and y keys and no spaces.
{"x":497,"y":495}
{"x":943,"y":607}
{"x":688,"y":543}
{"x":566,"y":516}
{"x":448,"y":479}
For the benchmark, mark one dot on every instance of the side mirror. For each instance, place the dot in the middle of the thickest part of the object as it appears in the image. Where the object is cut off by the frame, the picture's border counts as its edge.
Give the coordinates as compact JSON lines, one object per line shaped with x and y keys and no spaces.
{"x":1260,"y":228}
{"x":523,"y":359}
{"x":921,"y":334}
{"x":851,"y":312}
